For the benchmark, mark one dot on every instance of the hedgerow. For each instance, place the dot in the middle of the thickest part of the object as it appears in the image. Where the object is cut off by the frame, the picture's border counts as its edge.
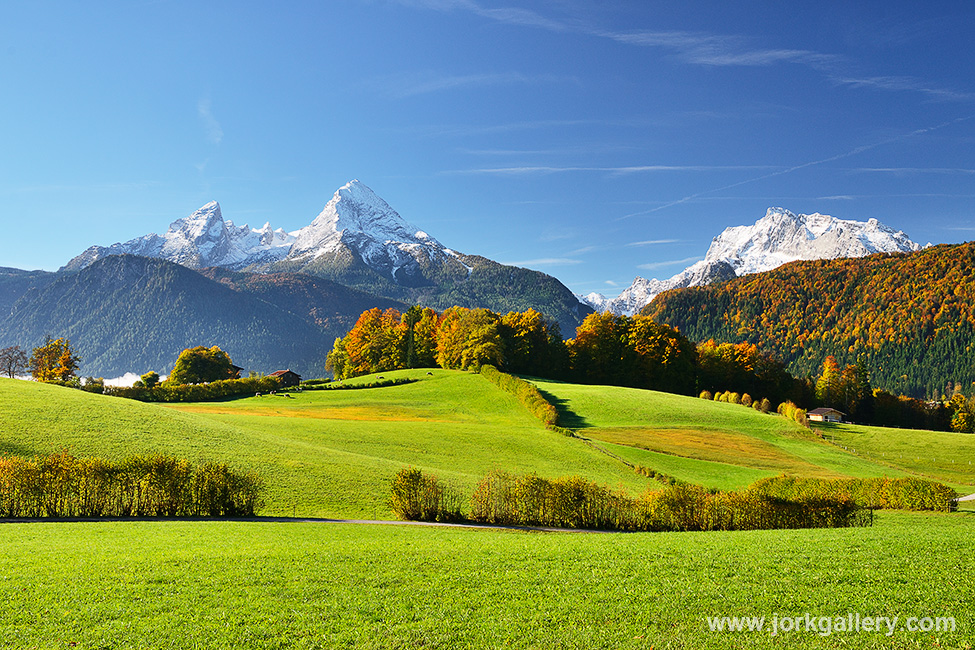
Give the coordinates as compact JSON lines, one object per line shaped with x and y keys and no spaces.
{"x":215,"y":390}
{"x":62,"y":485}
{"x":883,"y":493}
{"x":526,"y":392}
{"x":574,"y":502}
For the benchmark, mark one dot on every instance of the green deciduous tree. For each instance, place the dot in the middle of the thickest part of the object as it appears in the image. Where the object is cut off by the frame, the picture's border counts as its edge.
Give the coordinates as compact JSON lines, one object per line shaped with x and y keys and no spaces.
{"x":201,"y":365}
{"x":468,"y":338}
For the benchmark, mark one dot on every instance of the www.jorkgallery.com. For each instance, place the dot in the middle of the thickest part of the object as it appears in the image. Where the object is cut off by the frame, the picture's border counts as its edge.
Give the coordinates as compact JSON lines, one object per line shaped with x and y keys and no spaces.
{"x":852,"y":622}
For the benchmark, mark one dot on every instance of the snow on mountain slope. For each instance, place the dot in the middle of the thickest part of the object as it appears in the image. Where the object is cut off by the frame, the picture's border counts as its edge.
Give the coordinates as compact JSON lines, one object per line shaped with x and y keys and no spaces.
{"x":358,"y":220}
{"x":777,"y":238}
{"x":200,"y":240}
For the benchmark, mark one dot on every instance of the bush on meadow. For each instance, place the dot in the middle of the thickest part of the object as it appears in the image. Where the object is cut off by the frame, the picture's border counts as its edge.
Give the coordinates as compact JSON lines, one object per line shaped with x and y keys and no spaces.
{"x":881,"y":493}
{"x":416,"y":497}
{"x":62,"y":485}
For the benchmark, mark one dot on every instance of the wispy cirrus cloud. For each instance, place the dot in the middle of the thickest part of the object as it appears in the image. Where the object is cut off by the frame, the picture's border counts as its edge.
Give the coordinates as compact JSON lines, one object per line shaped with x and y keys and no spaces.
{"x":702,"y":48}
{"x":412,"y":85}
{"x":692,"y":47}
{"x":661,"y":265}
{"x":507,"y":15}
{"x":898,"y":83}
{"x":717,"y":50}
{"x":547,"y":169}
{"x":805,"y":165}
{"x":913,"y":170}
{"x":213,"y":130}
{"x":653,"y":242}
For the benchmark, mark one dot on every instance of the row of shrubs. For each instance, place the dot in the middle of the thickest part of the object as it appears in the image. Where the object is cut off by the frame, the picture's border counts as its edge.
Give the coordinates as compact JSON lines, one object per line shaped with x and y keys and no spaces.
{"x":573,"y":502}
{"x":215,"y":390}
{"x":730,"y":397}
{"x":377,"y":383}
{"x":794,"y":413}
{"x":62,"y":485}
{"x":526,"y":392}
{"x":881,"y":493}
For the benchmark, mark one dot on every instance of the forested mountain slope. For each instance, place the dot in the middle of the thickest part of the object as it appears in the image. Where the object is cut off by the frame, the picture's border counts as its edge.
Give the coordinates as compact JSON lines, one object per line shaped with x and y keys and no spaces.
{"x":910,"y":316}
{"x":134,"y":314}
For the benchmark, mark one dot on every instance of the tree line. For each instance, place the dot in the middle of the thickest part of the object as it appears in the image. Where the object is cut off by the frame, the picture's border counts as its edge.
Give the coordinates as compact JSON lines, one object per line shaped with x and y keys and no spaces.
{"x":632,"y":351}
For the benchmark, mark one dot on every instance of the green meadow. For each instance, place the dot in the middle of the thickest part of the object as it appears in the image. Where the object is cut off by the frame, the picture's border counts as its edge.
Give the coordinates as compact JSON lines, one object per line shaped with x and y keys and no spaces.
{"x":293,"y":584}
{"x":728,"y":446}
{"x":314,"y":585}
{"x":322,"y":453}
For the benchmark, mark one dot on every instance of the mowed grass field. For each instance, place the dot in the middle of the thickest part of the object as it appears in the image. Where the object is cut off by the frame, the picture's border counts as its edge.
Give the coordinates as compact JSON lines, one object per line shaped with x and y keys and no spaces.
{"x":728,"y":446}
{"x":314,"y":585}
{"x":266,"y":584}
{"x":321,"y":453}
{"x":936,"y":454}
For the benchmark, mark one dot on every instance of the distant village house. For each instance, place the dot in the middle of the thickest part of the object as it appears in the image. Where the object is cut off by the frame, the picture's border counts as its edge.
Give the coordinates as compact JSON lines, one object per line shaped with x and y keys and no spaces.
{"x":287,"y":378}
{"x":825,"y":415}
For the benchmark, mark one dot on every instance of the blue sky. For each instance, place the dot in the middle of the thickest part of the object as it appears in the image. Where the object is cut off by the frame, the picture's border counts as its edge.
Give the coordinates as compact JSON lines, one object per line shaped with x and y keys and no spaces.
{"x":595,"y":141}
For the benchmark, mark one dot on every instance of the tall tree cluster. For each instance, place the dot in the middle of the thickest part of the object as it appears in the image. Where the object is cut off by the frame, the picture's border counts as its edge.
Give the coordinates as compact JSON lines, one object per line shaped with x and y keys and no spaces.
{"x":459,"y":338}
{"x":632,"y":351}
{"x":623,"y":350}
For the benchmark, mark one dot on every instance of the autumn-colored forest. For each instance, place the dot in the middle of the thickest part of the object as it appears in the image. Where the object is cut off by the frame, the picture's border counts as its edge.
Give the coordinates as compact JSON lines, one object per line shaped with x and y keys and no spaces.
{"x":910,"y":318}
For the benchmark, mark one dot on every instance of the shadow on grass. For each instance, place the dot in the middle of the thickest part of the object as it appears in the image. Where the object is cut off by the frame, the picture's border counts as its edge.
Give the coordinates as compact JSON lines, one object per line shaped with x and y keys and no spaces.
{"x":13,"y":449}
{"x":567,"y":417}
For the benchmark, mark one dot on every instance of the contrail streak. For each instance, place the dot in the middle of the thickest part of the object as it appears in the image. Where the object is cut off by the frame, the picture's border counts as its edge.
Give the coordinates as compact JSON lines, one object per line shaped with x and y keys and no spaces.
{"x":789,"y":170}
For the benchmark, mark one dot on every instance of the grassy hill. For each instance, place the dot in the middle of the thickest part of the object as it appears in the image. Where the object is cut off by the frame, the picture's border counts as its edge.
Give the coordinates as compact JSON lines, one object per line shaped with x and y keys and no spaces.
{"x":333,"y":453}
{"x":322,"y":453}
{"x":729,"y":446}
{"x":312,"y":585}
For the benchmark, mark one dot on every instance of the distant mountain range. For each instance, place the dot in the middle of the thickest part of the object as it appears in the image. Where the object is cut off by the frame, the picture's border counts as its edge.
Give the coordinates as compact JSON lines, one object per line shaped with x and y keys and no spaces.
{"x":359,"y":241}
{"x":271,"y":298}
{"x":775,"y":239}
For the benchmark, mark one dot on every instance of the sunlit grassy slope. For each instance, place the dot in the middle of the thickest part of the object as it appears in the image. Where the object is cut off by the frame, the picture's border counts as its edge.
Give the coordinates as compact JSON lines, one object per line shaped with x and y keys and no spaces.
{"x":722,"y":445}
{"x":938,"y":454}
{"x":221,"y":584}
{"x":332,"y":453}
{"x":325,"y":453}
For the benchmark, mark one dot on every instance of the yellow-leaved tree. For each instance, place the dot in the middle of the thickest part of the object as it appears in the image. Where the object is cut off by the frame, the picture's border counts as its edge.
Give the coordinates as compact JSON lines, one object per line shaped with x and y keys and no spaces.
{"x":55,"y":360}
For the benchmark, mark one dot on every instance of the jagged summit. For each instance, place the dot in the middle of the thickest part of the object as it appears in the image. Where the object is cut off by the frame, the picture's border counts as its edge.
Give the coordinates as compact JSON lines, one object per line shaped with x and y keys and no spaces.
{"x":359,"y":241}
{"x":777,"y":238}
{"x":202,"y":239}
{"x":781,"y":236}
{"x":356,"y":213}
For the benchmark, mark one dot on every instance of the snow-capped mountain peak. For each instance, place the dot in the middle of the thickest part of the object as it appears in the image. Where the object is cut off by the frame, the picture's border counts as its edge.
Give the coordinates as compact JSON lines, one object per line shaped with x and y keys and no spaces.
{"x":355,"y":223}
{"x":356,"y":213}
{"x":202,"y":239}
{"x":777,"y":238}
